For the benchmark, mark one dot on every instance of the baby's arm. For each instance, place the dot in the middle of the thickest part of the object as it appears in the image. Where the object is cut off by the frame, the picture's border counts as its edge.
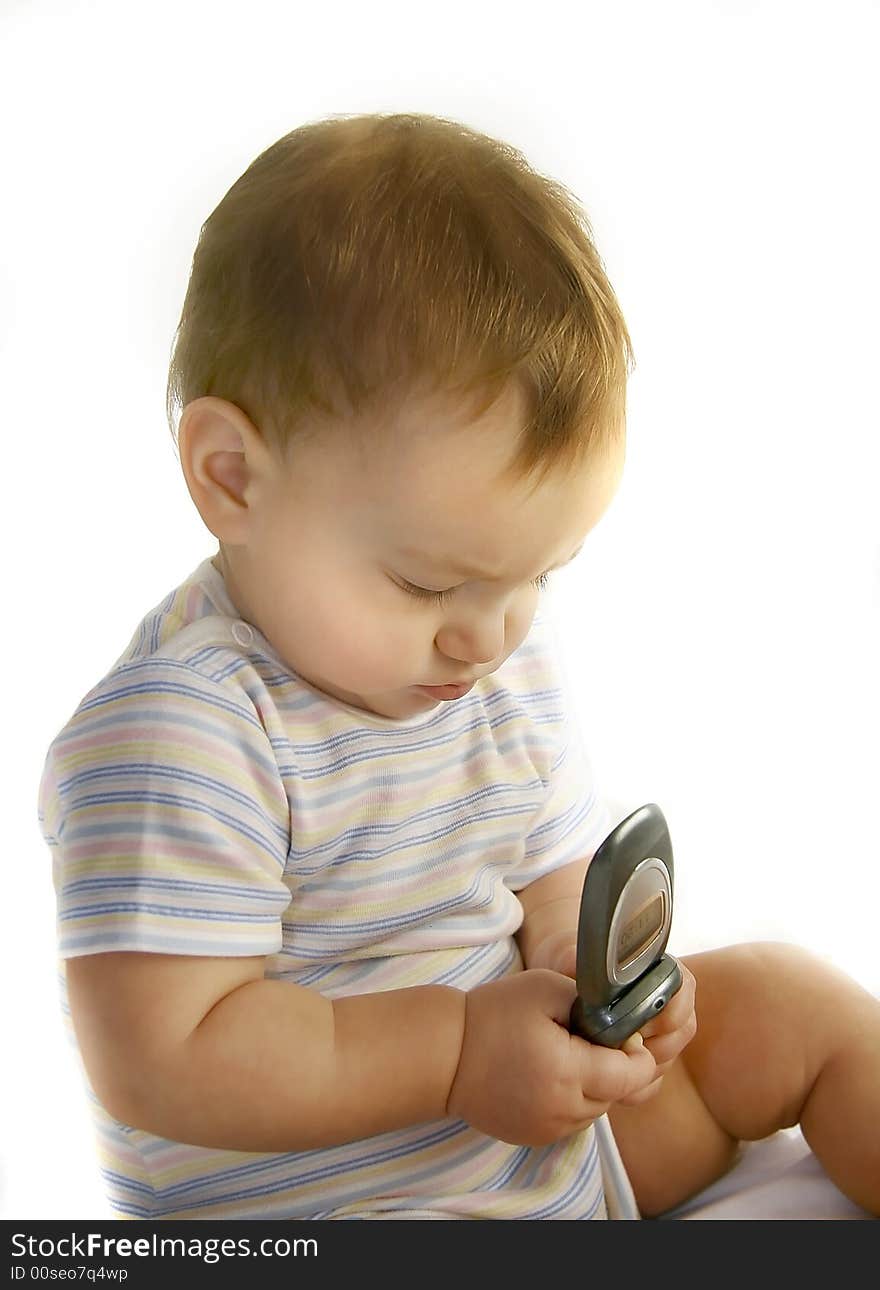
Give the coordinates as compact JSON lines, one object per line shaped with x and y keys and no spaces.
{"x":551,"y":906}
{"x":211,"y":1052}
{"x":208,"y":1051}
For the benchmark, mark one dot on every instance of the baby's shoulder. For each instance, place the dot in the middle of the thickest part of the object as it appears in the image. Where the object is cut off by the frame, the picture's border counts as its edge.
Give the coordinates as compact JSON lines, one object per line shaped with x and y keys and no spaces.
{"x":195,"y":674}
{"x":196,"y":627}
{"x":209,"y":645}
{"x":535,"y":671}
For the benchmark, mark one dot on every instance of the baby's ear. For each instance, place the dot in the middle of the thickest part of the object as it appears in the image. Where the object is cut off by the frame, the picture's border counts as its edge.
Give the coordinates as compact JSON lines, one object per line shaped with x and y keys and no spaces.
{"x":219,"y":447}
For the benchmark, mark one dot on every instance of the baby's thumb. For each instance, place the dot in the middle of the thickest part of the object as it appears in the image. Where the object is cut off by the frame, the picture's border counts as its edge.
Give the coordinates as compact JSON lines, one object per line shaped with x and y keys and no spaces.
{"x":633,"y":1043}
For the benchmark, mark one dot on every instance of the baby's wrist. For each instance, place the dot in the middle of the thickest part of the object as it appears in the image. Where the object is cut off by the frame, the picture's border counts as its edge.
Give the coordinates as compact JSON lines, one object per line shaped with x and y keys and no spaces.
{"x":548,"y":936}
{"x":556,"y":950}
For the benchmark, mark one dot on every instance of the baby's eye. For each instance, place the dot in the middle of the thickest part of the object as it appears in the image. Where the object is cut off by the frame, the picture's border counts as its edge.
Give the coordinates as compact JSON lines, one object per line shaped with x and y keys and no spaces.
{"x":422,"y":593}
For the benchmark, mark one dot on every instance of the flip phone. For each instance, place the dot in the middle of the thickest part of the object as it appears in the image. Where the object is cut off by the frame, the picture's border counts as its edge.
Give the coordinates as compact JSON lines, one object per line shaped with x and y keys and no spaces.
{"x":624,"y":977}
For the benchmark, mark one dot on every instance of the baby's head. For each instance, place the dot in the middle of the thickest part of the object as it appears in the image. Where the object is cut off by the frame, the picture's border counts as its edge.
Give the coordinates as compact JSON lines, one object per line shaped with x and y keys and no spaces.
{"x":402,"y":371}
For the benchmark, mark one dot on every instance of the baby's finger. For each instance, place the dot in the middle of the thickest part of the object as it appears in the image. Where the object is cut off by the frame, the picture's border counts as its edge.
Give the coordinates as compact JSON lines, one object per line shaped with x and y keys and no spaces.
{"x":633,"y":1042}
{"x":644,"y":1094}
{"x":608,"y":1074}
{"x":664,"y":1048}
{"x":677,"y":1011}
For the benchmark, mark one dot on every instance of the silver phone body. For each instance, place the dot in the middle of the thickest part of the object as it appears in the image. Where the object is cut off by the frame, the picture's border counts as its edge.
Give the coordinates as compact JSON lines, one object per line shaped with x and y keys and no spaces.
{"x":624,"y":976}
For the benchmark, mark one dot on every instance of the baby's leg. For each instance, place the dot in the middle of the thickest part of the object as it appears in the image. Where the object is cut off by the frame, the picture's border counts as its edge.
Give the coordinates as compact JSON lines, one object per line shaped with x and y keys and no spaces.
{"x":781,"y":1038}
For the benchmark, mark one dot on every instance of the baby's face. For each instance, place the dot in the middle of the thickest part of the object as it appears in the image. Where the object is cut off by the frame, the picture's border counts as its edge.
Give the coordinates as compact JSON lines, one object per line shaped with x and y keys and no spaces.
{"x":333,"y":544}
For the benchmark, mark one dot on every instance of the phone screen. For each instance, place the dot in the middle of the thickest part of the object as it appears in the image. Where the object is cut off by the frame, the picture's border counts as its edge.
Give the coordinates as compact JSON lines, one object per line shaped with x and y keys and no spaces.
{"x":641,"y":929}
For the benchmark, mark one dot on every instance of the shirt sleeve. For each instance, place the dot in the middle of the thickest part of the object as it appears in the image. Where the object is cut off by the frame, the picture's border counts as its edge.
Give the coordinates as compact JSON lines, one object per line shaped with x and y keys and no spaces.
{"x":574,"y":818}
{"x":166,"y":816}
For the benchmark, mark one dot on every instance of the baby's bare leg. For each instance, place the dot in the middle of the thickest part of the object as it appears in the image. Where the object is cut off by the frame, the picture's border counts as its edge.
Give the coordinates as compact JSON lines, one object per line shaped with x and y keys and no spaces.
{"x":782,"y":1038}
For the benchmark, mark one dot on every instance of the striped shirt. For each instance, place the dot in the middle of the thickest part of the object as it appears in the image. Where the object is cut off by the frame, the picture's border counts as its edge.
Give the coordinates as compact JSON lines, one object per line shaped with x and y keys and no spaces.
{"x":205,"y":799}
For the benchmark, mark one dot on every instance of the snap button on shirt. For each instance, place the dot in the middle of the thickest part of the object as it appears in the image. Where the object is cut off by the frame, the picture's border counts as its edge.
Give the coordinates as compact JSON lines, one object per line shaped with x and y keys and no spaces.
{"x":243,"y":633}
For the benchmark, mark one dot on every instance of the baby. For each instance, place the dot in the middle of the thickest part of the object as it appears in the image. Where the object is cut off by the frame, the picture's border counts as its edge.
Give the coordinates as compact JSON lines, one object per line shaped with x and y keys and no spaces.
{"x":319,"y":836}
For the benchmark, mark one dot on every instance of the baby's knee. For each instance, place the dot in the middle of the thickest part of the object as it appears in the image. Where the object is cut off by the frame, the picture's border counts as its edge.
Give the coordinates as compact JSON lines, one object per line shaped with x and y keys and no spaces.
{"x":761,"y":966}
{"x":794,"y":970}
{"x":780,"y":990}
{"x":781,"y":961}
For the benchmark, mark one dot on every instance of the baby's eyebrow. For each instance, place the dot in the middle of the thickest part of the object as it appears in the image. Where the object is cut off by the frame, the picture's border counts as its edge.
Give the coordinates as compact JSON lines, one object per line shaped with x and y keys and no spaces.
{"x":469,"y":570}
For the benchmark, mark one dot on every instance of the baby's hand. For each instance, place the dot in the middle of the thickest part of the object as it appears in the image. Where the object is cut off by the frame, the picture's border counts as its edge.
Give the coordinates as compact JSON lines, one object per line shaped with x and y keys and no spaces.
{"x":665,"y":1035}
{"x":522,"y":1077}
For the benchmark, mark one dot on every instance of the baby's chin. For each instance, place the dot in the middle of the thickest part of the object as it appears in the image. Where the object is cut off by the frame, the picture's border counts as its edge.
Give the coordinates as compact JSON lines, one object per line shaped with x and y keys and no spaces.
{"x":408,"y":701}
{"x":398,"y":704}
{"x":412,"y":700}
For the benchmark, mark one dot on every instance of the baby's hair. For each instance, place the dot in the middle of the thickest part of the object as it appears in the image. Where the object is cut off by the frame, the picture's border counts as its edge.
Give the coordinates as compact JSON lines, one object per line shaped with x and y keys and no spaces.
{"x":360,"y":258}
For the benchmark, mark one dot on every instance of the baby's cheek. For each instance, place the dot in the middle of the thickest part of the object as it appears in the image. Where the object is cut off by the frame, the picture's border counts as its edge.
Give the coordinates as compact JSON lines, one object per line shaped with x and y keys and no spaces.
{"x":379,"y":653}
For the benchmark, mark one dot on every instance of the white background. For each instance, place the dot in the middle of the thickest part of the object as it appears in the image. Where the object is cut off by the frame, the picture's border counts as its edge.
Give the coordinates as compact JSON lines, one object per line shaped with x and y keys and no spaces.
{"x":720,"y":629}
